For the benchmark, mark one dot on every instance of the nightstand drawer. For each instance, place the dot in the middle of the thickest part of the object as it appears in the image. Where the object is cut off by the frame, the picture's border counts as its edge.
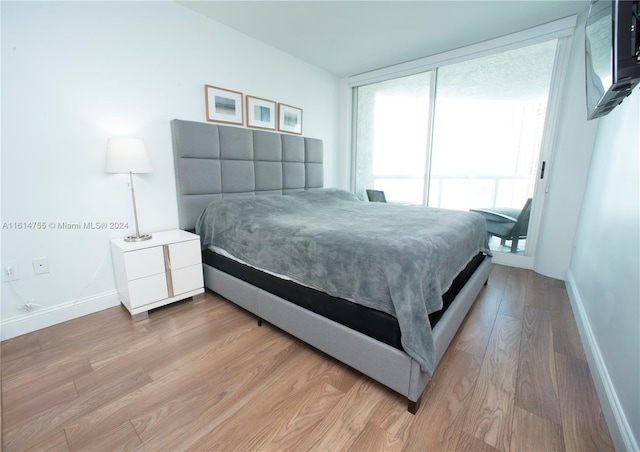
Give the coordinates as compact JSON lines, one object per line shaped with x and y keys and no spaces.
{"x":147,"y":290}
{"x":186,"y":279}
{"x":144,"y":262}
{"x":185,"y":254}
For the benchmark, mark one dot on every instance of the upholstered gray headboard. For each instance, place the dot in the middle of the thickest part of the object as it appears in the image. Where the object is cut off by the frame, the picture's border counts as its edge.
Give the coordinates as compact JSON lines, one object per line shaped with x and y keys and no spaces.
{"x":212,"y":161}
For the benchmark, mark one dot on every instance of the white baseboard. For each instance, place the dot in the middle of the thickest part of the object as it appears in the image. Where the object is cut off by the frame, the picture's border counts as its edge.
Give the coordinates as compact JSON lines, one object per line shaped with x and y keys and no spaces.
{"x":619,"y":428}
{"x":42,"y":318}
{"x":513,"y":260}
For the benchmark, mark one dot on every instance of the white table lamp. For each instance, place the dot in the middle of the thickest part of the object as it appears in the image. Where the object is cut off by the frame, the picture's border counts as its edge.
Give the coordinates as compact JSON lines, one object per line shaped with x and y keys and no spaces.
{"x":128,"y":155}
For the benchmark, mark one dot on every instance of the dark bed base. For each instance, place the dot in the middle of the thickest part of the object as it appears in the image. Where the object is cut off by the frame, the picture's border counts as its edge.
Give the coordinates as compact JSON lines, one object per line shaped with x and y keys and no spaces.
{"x":371,"y":322}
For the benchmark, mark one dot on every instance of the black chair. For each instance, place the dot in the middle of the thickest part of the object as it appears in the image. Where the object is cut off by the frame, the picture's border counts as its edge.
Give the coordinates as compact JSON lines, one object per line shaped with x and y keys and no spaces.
{"x":376,"y":196}
{"x":507,"y":223}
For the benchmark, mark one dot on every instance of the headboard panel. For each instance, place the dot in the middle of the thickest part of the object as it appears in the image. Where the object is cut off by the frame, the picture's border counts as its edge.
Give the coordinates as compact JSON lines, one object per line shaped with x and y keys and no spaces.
{"x":212,"y":161}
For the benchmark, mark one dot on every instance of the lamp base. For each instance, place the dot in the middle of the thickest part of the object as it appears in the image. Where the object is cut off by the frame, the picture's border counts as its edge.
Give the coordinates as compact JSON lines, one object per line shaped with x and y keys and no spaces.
{"x":140,"y":238}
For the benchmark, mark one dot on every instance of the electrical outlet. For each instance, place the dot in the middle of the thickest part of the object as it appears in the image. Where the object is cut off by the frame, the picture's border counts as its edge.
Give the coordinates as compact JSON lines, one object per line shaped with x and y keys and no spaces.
{"x":10,"y":271}
{"x":40,"y":265}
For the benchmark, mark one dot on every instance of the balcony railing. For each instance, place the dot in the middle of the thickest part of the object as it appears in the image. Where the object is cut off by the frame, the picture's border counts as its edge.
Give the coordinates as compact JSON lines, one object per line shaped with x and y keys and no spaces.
{"x":470,"y":191}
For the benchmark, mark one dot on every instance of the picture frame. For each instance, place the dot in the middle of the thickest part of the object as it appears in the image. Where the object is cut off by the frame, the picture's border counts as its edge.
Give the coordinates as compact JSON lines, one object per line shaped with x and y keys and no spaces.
{"x":289,"y":119}
{"x":223,"y":105}
{"x":261,"y":113}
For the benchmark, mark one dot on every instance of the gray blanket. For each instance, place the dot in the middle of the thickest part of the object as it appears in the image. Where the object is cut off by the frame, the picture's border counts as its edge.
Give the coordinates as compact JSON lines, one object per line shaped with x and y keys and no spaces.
{"x":397,"y":259}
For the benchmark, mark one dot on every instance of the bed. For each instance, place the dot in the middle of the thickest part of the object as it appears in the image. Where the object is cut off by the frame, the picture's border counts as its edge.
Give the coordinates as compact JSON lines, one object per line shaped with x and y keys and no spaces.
{"x":361,"y":311}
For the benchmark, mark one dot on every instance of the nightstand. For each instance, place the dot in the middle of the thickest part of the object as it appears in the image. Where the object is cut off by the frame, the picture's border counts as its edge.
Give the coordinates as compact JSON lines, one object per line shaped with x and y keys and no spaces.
{"x":156,"y":272}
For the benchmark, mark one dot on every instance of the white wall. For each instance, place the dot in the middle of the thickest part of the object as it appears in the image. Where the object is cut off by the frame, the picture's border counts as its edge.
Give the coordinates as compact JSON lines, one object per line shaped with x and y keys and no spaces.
{"x":590,"y":237}
{"x":604,"y":276}
{"x":568,"y":168}
{"x":75,"y":73}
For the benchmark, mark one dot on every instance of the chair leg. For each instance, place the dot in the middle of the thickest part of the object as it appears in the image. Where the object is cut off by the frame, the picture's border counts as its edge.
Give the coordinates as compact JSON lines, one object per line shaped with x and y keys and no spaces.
{"x":514,"y":245}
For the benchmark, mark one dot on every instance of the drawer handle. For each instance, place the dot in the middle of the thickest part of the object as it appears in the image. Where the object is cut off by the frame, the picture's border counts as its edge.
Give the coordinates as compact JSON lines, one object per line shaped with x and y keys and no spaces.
{"x":167,"y":270}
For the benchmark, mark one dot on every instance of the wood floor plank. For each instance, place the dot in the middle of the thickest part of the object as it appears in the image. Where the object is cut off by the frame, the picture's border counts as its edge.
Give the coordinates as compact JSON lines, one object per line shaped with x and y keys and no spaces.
{"x":296,"y":419}
{"x":26,"y":434}
{"x":515,"y":292}
{"x":102,"y":320}
{"x":193,"y":373}
{"x":373,"y":437}
{"x":92,"y":331}
{"x":95,"y":380}
{"x":155,"y":395}
{"x":393,"y":416}
{"x":17,"y":347}
{"x":185,"y":429}
{"x":499,"y":275}
{"x":78,"y":348}
{"x":178,"y":430}
{"x":76,"y":339}
{"x":21,"y":406}
{"x":537,"y":389}
{"x":39,"y":379}
{"x":121,"y":438}
{"x":163,"y":354}
{"x":300,"y":403}
{"x":566,"y":337}
{"x":469,"y":442}
{"x":530,"y":429}
{"x":491,"y":409}
{"x":476,"y":330}
{"x":339,"y":428}
{"x":274,"y":396}
{"x":583,"y":424}
{"x":224,"y":332}
{"x":203,"y":392}
{"x":340,"y":375}
{"x":55,"y":442}
{"x":170,"y":339}
{"x":442,"y":415}
{"x":537,"y":292}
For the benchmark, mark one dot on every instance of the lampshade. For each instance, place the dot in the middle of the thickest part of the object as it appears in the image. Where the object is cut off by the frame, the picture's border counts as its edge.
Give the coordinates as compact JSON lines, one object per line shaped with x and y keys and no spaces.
{"x":127,"y":155}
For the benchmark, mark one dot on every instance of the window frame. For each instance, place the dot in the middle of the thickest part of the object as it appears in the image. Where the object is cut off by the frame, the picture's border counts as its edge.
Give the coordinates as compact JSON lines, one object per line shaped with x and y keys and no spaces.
{"x":562,"y":30}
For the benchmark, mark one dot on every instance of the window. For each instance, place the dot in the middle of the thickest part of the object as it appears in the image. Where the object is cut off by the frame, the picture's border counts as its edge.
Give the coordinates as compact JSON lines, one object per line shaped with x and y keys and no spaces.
{"x":460,"y":136}
{"x":392,"y":136}
{"x":489,"y":118}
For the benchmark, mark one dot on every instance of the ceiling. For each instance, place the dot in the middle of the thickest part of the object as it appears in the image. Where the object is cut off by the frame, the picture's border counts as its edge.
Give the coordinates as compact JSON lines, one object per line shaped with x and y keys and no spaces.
{"x":351,"y":37}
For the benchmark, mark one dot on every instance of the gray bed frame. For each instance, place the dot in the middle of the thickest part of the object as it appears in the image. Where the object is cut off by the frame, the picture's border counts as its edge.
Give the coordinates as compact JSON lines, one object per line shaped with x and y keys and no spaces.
{"x":212,"y":161}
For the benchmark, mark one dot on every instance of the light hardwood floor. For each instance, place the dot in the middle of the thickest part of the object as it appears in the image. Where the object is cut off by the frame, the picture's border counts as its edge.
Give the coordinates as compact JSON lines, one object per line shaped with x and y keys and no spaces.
{"x":201,"y":375}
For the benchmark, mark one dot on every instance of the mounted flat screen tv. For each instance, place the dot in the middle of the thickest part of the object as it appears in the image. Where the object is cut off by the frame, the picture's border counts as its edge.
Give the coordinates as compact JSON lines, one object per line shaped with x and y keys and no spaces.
{"x":612,"y":54}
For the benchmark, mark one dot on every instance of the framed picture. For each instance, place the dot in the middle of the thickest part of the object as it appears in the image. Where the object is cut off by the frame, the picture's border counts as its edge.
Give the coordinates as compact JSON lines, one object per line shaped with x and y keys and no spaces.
{"x":289,"y":119}
{"x":223,"y":105}
{"x":261,"y":113}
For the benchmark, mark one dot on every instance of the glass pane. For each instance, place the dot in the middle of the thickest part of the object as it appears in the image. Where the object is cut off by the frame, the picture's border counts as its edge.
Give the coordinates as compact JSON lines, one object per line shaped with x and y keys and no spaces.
{"x":391,"y":137}
{"x":408,"y":190}
{"x":488,"y":125}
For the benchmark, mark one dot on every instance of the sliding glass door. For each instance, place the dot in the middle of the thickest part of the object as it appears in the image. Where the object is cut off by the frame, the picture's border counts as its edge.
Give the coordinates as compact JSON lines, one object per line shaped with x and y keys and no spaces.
{"x":490,"y":117}
{"x":463,"y":136}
